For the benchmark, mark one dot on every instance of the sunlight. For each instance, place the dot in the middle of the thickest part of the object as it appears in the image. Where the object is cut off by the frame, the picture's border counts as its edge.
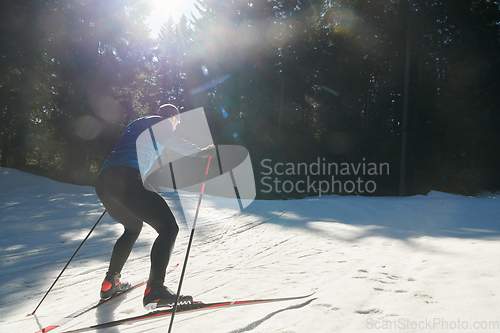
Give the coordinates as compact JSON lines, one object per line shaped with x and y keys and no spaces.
{"x":168,"y":7}
{"x":161,"y":10}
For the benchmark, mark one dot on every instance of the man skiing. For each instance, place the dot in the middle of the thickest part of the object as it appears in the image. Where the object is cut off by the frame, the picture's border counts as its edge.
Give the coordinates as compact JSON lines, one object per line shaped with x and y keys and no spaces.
{"x":127,"y":201}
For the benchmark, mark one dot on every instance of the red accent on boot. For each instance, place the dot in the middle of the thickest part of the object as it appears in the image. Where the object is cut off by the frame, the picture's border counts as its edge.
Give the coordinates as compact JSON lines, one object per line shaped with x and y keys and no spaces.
{"x":148,"y":289}
{"x":106,"y":285}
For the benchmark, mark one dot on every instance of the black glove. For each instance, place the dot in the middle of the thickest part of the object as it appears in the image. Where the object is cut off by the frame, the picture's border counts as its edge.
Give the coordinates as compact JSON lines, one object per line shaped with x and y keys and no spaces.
{"x":207,"y":151}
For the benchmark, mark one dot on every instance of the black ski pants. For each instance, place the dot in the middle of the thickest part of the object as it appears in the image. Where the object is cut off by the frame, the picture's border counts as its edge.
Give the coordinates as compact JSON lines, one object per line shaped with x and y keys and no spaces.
{"x":122,"y":193}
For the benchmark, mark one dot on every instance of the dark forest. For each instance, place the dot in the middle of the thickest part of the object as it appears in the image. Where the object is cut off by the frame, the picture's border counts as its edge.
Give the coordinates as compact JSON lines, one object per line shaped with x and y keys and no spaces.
{"x":410,"y":86}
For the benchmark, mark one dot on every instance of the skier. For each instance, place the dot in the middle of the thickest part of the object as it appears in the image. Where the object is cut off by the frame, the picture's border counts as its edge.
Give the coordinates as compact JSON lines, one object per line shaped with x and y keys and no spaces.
{"x":127,"y":201}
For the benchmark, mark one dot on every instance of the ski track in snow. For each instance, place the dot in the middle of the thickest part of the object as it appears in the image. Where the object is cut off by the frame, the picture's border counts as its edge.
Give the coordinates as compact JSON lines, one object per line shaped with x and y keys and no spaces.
{"x":369,"y":260}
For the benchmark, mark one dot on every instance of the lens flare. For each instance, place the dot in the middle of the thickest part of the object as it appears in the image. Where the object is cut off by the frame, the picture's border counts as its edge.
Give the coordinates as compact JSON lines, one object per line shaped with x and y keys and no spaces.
{"x":204,"y":69}
{"x":210,"y":85}
{"x":330,"y":90}
{"x":105,"y":107}
{"x":87,"y":127}
{"x":343,"y":20}
{"x":309,"y":99}
{"x":235,"y":135}
{"x":224,"y":112}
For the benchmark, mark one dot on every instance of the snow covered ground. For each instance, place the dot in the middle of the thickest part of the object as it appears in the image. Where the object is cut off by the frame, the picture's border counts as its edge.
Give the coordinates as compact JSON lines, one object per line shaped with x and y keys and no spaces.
{"x":382,"y":264}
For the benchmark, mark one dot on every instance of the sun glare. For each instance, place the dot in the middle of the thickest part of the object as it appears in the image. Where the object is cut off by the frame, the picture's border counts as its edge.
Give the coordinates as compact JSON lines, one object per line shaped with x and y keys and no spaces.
{"x":161,"y":10}
{"x":167,"y":7}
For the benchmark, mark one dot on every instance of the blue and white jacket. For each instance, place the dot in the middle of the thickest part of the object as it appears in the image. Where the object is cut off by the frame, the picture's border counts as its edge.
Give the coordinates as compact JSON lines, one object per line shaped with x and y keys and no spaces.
{"x":138,"y":148}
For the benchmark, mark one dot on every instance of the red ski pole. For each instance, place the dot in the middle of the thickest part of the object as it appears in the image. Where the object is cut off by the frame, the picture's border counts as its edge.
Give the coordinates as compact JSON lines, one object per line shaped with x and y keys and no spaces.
{"x":189,"y":247}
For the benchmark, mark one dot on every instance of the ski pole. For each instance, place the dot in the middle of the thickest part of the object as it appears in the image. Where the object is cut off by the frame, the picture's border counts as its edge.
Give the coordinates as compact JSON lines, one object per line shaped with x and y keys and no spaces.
{"x":78,"y":249}
{"x":189,"y":247}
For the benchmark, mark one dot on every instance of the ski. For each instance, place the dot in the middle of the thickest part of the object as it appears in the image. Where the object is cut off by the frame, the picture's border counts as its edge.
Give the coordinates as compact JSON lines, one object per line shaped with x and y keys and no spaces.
{"x":93,"y":306}
{"x":88,"y":308}
{"x":196,"y":306}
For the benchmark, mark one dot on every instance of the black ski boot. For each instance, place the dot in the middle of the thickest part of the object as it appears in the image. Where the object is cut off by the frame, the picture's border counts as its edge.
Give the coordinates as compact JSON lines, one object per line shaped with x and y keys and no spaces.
{"x":157,"y":296}
{"x":112,"y":286}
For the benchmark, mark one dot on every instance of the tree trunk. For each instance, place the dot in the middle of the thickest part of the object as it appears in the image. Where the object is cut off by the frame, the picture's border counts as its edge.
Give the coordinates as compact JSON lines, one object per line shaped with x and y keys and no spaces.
{"x":368,"y":99}
{"x":5,"y":150}
{"x":406,"y":97}
{"x":21,"y":140}
{"x":4,"y":161}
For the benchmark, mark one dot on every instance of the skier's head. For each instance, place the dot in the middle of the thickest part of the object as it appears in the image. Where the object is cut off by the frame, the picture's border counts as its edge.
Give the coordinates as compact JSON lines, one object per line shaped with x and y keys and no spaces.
{"x":169,"y":111}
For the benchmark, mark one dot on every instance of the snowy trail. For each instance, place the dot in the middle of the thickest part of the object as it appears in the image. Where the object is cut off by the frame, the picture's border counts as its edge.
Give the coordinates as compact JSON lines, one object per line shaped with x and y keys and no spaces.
{"x":373,"y":262}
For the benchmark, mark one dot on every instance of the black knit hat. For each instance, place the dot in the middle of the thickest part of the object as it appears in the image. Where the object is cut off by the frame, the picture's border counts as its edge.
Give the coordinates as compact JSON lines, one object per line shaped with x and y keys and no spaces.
{"x":168,"y":110}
